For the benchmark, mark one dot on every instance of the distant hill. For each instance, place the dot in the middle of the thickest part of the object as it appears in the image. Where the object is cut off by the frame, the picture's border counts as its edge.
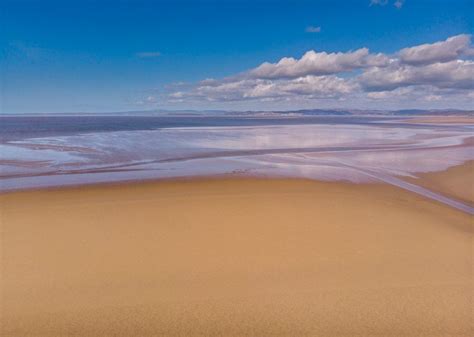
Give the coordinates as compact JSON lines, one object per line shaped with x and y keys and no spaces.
{"x":358,"y":112}
{"x":286,"y":113}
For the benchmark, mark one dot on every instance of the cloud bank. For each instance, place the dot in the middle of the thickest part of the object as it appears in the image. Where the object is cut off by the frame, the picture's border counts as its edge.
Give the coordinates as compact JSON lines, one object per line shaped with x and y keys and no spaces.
{"x":426,"y":74}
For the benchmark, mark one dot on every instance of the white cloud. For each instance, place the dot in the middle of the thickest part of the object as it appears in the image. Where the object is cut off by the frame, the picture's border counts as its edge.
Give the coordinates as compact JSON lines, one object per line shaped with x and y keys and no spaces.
{"x":424,"y":95}
{"x":455,"y":74}
{"x":311,"y":86}
{"x":433,"y":98}
{"x":443,"y":51}
{"x":424,"y":74}
{"x":249,"y":89}
{"x":322,"y":63}
{"x":313,"y":29}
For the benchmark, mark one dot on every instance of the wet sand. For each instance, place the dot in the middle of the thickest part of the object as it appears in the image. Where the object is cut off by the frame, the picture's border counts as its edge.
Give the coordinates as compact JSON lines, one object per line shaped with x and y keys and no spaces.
{"x":318,"y":151}
{"x":442,"y":120}
{"x":234,"y":257}
{"x":456,"y":182}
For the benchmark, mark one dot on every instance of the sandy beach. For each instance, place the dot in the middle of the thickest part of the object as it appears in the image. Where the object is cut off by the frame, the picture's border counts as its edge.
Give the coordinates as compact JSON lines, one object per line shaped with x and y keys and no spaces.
{"x":456,"y":182}
{"x":237,"y":168}
{"x":235,"y":257}
{"x":442,"y":120}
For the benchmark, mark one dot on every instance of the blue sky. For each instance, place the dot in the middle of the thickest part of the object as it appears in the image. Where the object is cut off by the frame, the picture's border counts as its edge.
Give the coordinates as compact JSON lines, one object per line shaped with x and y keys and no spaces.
{"x":72,"y":56}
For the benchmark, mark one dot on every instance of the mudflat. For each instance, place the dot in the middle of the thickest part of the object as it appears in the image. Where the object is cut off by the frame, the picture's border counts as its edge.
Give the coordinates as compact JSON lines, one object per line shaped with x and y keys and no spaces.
{"x":442,"y":120}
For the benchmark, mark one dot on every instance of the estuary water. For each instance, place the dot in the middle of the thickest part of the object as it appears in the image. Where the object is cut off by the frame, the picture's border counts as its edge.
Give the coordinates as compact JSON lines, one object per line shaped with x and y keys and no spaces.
{"x":49,"y":151}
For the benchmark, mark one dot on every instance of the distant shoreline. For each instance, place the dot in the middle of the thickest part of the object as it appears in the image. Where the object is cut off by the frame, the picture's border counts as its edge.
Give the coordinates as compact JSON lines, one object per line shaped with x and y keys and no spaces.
{"x":263,"y":113}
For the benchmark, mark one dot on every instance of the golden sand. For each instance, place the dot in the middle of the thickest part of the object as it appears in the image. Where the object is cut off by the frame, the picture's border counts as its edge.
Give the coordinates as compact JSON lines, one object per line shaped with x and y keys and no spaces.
{"x":234,"y":257}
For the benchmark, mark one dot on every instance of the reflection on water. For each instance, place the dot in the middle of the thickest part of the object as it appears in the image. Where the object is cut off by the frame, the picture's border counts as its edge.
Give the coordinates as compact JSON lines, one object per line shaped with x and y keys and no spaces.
{"x":357,"y":151}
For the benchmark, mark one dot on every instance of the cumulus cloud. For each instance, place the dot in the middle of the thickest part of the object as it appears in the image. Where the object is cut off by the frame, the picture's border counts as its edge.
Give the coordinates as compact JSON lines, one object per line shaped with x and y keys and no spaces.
{"x":322,"y":63}
{"x":426,"y":95}
{"x":249,"y":89}
{"x":313,"y":29}
{"x":454,"y":74}
{"x":425,"y":73}
{"x":443,"y":51}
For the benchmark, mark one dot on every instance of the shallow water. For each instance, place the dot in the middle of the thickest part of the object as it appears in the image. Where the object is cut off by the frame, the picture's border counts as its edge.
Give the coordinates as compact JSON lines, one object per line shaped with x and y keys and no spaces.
{"x":54,"y":151}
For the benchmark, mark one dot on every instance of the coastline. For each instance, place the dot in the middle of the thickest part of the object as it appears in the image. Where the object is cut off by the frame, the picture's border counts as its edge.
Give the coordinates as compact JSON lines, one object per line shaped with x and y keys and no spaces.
{"x":234,"y":256}
{"x":467,"y":119}
{"x":319,"y":151}
{"x":456,"y":182}
{"x":448,"y":184}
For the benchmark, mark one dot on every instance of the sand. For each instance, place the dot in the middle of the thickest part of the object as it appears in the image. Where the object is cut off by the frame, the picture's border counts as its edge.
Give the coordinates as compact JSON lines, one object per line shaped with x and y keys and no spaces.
{"x":234,"y":257}
{"x":442,"y":120}
{"x":456,"y":182}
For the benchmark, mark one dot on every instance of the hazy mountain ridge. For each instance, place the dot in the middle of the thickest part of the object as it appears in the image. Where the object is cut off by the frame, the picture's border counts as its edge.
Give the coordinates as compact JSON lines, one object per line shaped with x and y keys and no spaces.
{"x":270,"y":113}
